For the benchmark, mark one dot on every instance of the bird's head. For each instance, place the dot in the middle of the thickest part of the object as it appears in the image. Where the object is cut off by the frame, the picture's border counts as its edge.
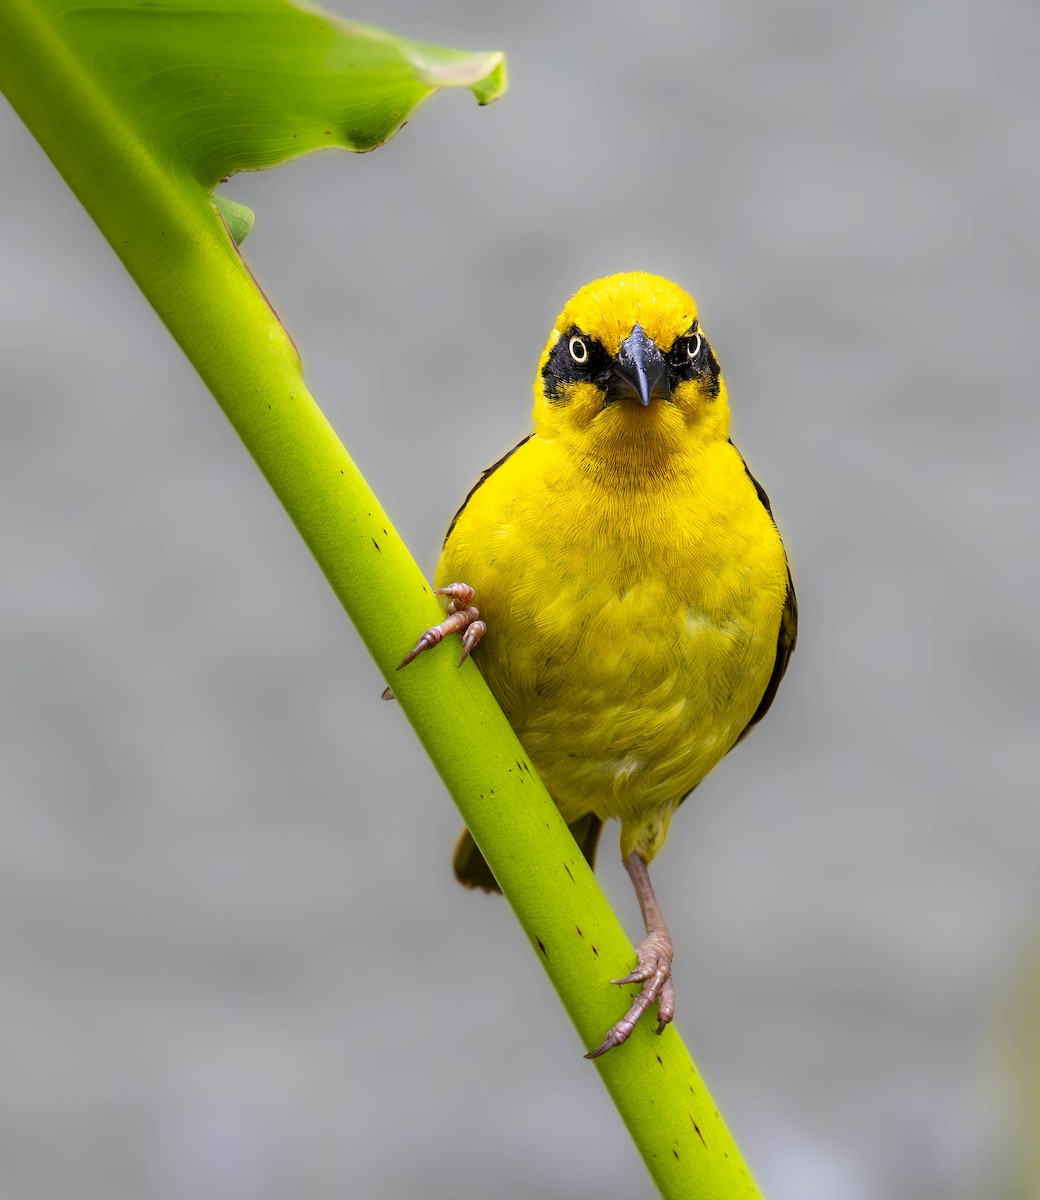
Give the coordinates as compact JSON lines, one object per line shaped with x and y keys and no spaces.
{"x":628,"y":372}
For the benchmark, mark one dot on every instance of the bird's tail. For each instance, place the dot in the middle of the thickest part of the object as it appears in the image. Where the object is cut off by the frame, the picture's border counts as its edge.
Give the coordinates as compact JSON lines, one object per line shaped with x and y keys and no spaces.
{"x":473,"y":872}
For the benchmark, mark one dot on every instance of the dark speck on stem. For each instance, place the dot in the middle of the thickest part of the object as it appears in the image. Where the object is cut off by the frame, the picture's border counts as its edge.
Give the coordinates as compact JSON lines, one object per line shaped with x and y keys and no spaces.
{"x":541,"y":946}
{"x":569,"y":875}
{"x":376,"y":544}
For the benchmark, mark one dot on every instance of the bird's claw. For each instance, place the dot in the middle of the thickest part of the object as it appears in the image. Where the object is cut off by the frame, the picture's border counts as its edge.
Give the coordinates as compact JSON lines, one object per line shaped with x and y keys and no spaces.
{"x":475,"y":630}
{"x":654,"y":972}
{"x":461,"y":619}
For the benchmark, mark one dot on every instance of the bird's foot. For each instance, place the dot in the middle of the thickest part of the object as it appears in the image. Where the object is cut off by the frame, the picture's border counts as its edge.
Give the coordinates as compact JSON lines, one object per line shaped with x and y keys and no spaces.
{"x":654,"y":972}
{"x":462,"y":619}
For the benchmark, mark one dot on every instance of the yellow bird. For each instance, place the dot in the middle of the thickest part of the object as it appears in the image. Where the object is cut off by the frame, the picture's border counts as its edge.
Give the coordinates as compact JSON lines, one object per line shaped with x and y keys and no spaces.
{"x":636,"y":611}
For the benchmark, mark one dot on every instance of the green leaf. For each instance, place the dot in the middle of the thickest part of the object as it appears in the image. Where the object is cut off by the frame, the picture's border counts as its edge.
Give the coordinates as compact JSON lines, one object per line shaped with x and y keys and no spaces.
{"x":217,"y":88}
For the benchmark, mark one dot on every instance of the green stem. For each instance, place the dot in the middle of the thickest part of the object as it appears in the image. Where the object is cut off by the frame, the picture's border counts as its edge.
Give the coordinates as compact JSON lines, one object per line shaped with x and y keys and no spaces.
{"x":172,"y":242}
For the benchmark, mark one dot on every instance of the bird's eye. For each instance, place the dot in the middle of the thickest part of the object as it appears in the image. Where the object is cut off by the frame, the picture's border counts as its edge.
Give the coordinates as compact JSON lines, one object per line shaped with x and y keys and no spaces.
{"x":693,"y":346}
{"x":579,"y":350}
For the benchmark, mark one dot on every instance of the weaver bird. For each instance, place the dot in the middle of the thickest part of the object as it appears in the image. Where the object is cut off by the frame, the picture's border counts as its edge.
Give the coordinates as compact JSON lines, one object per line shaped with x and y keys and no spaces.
{"x":636,"y":610}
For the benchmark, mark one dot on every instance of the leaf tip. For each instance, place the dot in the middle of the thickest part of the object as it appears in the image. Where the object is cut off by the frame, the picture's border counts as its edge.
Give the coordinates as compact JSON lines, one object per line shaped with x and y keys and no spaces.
{"x":494,"y":83}
{"x":238,"y":219}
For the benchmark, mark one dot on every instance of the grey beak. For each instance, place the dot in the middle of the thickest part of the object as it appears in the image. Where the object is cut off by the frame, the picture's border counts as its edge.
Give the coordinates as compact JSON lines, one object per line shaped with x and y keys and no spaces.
{"x":641,"y":366}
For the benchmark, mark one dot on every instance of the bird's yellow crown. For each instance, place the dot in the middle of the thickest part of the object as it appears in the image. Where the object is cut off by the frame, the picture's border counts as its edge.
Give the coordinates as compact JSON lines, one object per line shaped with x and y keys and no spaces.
{"x":627,"y":370}
{"x":608,"y":308}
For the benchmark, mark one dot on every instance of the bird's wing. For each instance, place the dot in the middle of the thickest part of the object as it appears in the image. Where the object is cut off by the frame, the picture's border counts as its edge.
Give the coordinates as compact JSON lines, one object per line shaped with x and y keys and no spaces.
{"x":788,"y":632}
{"x":785,"y":639}
{"x":485,"y":475}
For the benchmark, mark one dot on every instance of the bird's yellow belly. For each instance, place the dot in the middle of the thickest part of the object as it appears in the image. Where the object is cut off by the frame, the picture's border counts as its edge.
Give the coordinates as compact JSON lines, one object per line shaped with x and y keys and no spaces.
{"x":626,"y":701}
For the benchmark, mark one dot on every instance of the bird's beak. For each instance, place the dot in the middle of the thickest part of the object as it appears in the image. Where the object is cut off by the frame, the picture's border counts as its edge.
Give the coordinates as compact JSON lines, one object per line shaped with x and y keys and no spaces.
{"x":640,"y":368}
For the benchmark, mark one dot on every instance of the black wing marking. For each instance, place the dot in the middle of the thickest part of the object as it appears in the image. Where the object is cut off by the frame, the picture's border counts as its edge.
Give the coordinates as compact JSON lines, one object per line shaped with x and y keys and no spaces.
{"x":788,"y":633}
{"x":485,"y":475}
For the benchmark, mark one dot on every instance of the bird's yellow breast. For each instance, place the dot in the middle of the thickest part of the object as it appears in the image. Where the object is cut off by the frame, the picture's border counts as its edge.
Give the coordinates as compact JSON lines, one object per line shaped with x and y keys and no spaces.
{"x":632,"y":619}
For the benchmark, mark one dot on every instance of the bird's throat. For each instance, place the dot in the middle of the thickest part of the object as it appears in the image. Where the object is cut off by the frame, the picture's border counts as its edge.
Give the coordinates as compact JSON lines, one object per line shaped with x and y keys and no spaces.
{"x":637,"y":445}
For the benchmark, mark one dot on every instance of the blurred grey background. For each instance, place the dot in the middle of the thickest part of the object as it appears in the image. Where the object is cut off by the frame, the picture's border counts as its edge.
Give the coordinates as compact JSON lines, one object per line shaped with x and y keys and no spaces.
{"x":234,"y":961}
